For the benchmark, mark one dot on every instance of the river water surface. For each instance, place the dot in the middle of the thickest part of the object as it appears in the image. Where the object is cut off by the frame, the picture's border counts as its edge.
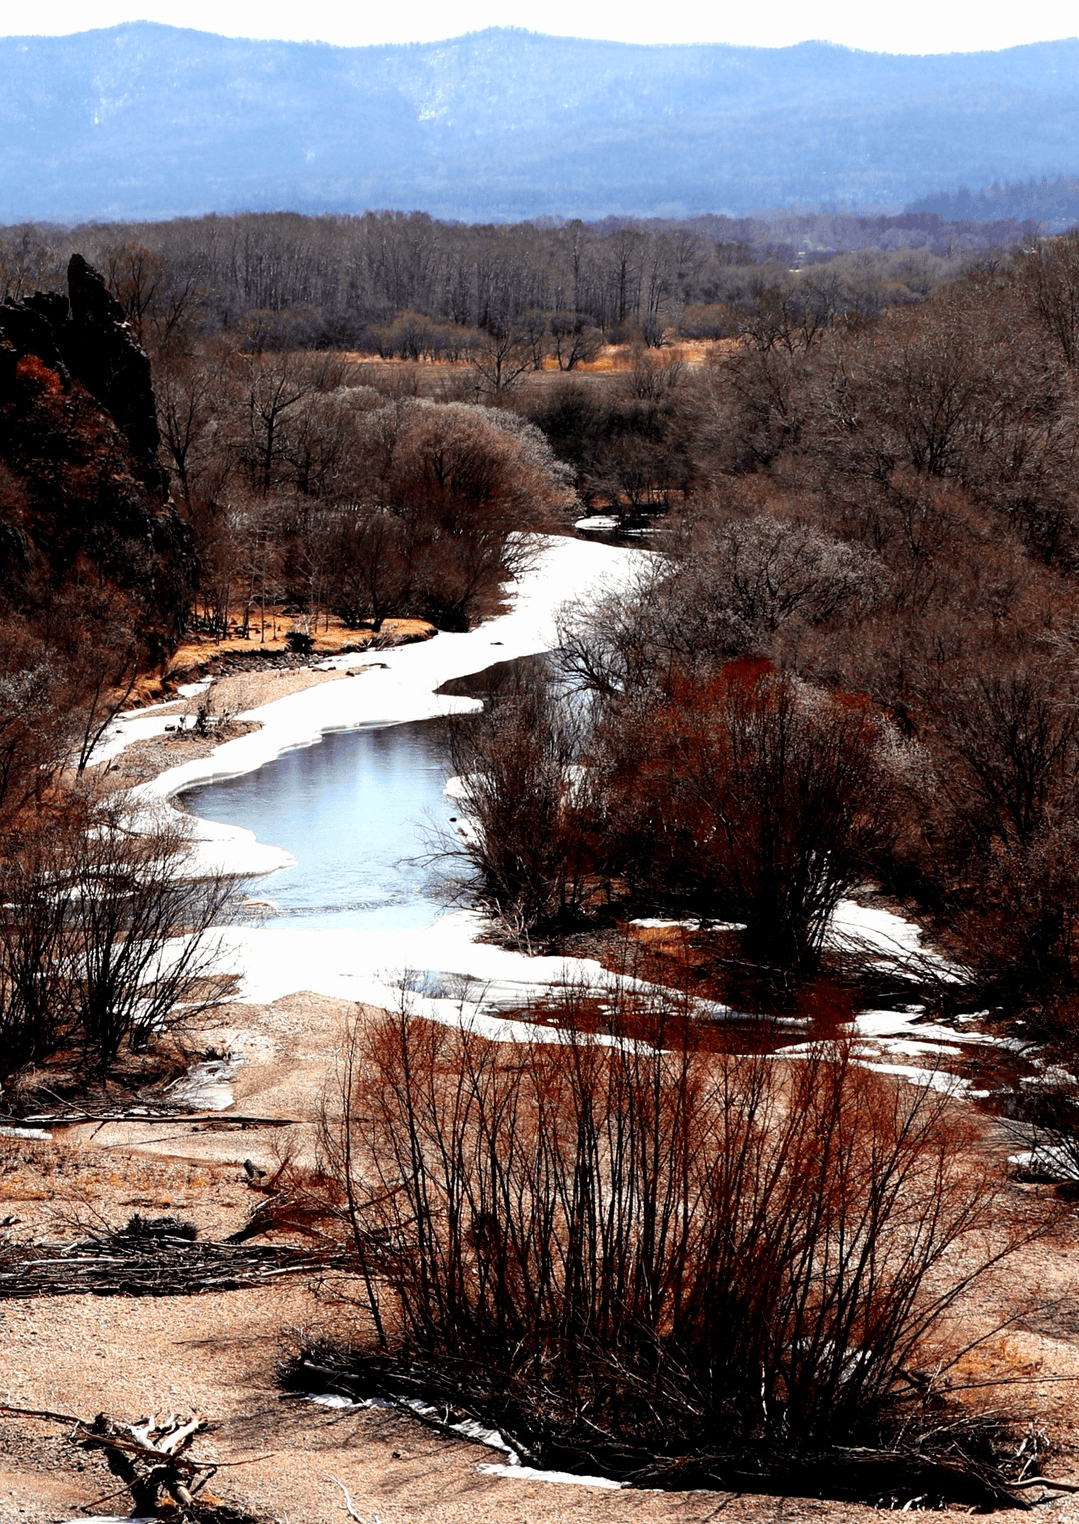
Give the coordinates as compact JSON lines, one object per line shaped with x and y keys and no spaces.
{"x":358,"y":811}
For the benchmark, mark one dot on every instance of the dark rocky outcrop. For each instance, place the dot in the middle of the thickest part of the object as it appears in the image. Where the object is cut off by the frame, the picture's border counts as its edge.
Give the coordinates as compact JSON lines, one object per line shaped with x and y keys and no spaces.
{"x":102,"y":351}
{"x":83,"y":500}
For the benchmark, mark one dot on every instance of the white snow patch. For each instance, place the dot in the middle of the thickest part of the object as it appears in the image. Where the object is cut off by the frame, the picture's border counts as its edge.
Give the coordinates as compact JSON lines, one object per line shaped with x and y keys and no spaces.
{"x":206,"y":1086}
{"x":1048,"y":1159}
{"x":469,"y":1428}
{"x":26,"y":1132}
{"x":382,"y":967}
{"x":188,"y":690}
{"x":530,"y":1474}
{"x":933,"y":1079}
{"x":1051,"y":1074}
{"x":905,"y":1025}
{"x":457,"y":787}
{"x":690,"y":924}
{"x":893,"y":942}
{"x":137,"y":725}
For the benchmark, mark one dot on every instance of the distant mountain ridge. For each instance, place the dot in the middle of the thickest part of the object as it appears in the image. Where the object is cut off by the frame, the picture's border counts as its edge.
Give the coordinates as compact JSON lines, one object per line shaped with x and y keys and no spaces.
{"x":144,"y":120}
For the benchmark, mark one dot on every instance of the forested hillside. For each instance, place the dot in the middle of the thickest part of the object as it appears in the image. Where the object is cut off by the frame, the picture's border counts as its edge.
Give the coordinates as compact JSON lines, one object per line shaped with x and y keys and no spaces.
{"x":147,"y":121}
{"x":1052,"y":203}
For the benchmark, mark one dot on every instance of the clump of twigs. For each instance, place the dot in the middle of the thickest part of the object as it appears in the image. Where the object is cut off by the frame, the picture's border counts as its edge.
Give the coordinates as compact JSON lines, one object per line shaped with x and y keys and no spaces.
{"x":668,"y":1266}
{"x":939,"y":1456}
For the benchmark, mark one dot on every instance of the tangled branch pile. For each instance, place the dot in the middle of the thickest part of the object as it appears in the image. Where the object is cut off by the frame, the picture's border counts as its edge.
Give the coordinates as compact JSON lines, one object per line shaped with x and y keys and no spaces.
{"x":148,"y":1257}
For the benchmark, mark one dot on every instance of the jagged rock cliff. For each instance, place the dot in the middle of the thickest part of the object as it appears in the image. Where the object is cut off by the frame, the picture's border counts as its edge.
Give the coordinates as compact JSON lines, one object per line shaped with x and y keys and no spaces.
{"x":83,"y":500}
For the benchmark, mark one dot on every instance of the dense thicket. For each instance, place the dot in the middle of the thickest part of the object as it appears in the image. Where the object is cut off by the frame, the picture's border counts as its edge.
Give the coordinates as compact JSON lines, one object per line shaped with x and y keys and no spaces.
{"x":407,"y":284}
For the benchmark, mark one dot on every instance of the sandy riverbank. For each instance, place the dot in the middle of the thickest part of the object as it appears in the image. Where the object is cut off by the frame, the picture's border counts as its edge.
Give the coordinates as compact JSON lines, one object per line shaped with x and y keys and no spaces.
{"x":216,"y":1353}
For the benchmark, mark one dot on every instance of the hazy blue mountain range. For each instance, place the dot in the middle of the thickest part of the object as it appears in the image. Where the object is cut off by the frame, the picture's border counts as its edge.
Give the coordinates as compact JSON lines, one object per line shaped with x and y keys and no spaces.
{"x":146,"y":120}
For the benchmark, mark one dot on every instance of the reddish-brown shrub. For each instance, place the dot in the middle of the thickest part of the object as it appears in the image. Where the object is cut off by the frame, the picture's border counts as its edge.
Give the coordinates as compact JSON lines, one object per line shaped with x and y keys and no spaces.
{"x":623,"y":1252}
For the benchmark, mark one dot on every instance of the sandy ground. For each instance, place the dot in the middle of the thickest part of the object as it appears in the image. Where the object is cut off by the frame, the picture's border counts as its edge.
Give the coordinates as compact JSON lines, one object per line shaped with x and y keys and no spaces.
{"x":286,"y":1056}
{"x":216,"y":1354}
{"x":232,"y":694}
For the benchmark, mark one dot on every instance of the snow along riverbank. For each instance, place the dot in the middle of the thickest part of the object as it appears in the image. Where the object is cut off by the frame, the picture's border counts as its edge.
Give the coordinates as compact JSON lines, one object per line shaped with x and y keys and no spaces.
{"x":390,"y":687}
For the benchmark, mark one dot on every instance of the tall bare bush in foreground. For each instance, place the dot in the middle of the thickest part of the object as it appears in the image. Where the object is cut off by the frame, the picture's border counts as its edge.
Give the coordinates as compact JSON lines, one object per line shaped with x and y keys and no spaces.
{"x":646,"y":1259}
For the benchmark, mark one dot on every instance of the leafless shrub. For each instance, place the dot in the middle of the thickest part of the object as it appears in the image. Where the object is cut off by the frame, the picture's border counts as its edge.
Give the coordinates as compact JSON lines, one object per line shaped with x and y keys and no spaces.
{"x":770,"y":800}
{"x":102,"y":937}
{"x":736,"y":794}
{"x":639,"y":1258}
{"x":528,"y":831}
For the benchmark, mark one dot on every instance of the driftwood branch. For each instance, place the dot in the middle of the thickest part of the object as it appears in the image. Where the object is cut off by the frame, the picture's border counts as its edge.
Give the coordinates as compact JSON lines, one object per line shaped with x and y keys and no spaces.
{"x":150,"y":1454}
{"x":349,"y":1507}
{"x":1045,"y":1481}
{"x":148,"y":1119}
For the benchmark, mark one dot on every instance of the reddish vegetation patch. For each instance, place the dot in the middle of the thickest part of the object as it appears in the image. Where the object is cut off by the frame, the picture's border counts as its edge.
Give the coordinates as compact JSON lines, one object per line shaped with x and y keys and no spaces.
{"x":34,"y":371}
{"x":705,"y":964}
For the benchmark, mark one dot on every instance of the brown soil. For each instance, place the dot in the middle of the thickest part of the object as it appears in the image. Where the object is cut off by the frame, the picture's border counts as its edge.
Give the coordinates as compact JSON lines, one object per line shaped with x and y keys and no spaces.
{"x":266,"y":647}
{"x":610,"y":359}
{"x":217,"y":1353}
{"x":193,"y":656}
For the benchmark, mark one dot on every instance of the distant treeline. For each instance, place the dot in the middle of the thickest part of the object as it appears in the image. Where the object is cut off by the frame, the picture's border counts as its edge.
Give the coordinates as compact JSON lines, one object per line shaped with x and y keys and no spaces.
{"x":1052,"y":203}
{"x":293,"y":281}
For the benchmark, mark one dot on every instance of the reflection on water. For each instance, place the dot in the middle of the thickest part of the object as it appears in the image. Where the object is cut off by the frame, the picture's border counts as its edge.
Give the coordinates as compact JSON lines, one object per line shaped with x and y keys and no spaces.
{"x":353,"y":810}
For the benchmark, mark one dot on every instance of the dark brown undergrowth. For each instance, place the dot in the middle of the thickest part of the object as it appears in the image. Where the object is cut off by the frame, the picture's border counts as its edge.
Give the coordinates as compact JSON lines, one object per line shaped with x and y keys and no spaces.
{"x":677,"y":1267}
